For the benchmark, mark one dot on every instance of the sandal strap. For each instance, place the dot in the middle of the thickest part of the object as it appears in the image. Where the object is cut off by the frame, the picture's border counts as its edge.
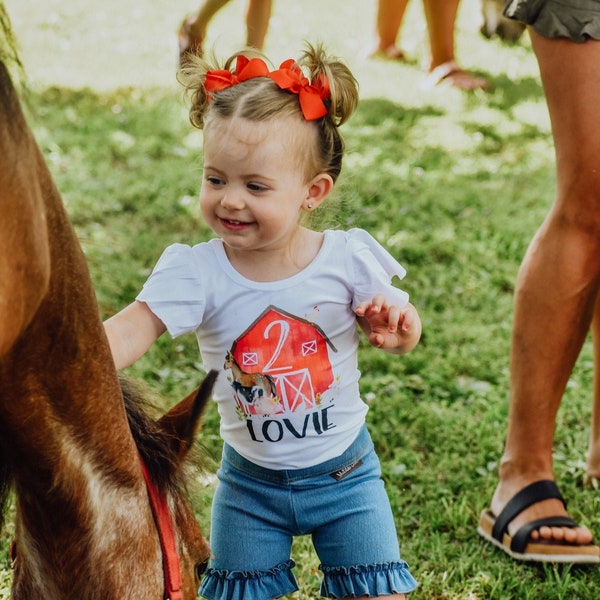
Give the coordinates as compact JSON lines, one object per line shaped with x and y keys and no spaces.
{"x":531,"y":494}
{"x":442,"y":71}
{"x":521,"y":538}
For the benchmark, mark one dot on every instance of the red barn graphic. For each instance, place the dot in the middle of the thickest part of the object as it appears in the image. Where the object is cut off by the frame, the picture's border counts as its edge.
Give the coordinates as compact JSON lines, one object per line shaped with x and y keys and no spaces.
{"x":280,"y":364}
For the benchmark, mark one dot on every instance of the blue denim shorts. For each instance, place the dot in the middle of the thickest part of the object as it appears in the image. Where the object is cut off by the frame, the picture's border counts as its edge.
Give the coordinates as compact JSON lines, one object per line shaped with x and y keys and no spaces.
{"x":341,"y":503}
{"x":577,"y":20}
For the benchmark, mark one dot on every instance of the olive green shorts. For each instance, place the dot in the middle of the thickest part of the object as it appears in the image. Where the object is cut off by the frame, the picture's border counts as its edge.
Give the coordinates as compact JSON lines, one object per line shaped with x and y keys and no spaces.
{"x":577,"y":20}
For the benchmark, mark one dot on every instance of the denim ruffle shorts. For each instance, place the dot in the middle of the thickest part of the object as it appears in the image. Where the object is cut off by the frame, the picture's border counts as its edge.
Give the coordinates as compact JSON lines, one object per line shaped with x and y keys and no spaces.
{"x":577,"y":20}
{"x":341,"y":503}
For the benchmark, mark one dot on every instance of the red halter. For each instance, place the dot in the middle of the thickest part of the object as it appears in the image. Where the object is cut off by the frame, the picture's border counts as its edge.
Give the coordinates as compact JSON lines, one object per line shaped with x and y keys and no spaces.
{"x":166,"y":534}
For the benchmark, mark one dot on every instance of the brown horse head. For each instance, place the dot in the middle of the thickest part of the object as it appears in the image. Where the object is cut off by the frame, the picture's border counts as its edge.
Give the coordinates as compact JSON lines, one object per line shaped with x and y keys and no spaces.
{"x":105,"y":566}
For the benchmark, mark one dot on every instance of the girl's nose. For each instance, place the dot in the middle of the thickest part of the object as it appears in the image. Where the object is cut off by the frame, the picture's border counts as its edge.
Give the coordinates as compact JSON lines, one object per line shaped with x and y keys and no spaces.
{"x":232,"y":201}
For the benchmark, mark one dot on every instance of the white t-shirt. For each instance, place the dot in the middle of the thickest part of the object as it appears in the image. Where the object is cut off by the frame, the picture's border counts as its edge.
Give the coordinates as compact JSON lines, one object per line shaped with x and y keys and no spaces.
{"x":288,"y":396}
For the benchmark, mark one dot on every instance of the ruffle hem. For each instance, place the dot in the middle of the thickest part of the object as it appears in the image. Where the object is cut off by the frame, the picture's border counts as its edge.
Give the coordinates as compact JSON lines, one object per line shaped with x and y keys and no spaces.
{"x":249,"y":585}
{"x":376,"y":580}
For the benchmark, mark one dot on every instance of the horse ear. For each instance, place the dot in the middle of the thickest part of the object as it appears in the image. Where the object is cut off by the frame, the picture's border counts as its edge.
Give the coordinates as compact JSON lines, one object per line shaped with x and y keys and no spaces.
{"x":182,"y":422}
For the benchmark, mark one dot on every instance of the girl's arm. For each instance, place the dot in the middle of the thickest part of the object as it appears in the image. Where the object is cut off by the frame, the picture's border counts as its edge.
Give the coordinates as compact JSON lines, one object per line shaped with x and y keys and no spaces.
{"x":131,"y":332}
{"x":388,"y":326}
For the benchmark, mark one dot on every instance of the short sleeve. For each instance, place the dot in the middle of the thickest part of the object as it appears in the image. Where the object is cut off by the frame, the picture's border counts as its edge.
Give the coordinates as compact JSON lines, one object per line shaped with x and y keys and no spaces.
{"x":373,"y":268}
{"x":174,"y":292}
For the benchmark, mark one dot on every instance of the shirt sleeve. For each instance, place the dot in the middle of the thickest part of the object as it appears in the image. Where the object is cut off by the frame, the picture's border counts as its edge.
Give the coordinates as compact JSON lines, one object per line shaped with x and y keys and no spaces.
{"x":373,"y":268}
{"x":174,"y":291}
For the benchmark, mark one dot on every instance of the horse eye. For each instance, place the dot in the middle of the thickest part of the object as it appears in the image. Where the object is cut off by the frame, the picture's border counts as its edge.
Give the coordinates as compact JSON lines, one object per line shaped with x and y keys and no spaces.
{"x":201,"y":568}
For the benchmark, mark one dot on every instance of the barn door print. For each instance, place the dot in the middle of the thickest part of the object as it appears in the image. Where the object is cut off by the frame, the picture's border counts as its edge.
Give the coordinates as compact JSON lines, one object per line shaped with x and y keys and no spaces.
{"x":279,"y":365}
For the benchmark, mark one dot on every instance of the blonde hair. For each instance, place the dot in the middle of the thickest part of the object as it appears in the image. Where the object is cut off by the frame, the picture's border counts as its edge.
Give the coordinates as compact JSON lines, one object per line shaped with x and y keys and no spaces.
{"x":260,"y":99}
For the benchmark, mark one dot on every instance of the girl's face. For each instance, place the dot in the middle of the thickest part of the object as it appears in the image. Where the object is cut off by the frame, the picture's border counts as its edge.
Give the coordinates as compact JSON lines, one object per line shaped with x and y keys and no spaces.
{"x":254,"y":184}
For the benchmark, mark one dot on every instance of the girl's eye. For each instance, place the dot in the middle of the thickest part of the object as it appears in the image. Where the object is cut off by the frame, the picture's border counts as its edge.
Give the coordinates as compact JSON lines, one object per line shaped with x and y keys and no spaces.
{"x":256,"y":187}
{"x":213,"y":180}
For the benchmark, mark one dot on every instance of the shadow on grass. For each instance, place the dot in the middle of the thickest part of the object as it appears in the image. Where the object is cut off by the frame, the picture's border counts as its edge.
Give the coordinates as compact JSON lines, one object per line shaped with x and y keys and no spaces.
{"x":508,"y":92}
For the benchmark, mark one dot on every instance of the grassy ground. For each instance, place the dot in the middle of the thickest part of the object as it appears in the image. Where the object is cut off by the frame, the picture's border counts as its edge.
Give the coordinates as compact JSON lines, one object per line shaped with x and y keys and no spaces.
{"x":454,"y":184}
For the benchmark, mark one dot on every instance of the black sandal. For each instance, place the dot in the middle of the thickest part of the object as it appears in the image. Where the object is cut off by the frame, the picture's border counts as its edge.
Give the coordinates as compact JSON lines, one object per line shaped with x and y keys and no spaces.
{"x":520,"y":547}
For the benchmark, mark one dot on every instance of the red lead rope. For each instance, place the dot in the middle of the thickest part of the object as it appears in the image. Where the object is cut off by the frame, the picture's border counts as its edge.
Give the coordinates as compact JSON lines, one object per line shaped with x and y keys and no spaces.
{"x":166,"y":534}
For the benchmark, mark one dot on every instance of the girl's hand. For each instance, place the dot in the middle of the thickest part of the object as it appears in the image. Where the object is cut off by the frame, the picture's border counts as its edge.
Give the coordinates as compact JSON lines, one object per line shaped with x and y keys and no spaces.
{"x":388,"y":326}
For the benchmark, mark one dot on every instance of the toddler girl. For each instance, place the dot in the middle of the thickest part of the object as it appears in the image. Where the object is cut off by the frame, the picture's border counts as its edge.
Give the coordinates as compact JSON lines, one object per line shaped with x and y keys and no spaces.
{"x":275,"y":307}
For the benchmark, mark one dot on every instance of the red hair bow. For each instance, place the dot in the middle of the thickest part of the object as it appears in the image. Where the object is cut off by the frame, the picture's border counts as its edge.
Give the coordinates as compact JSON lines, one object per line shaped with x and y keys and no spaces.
{"x":289,"y":77}
{"x":244,"y":69}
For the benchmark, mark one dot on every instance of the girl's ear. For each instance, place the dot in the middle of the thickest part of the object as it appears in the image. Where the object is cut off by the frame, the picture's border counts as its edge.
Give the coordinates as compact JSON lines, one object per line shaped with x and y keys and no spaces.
{"x":318,"y":189}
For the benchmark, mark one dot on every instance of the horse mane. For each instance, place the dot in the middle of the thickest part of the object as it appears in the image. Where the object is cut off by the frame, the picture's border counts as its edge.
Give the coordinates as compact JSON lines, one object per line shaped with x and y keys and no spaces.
{"x":154,"y":444}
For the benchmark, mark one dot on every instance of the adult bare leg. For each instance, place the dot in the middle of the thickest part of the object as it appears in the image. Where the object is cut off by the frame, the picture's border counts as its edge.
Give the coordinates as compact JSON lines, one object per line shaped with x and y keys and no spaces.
{"x":441,"y":18}
{"x":257,"y":22}
{"x":558,"y":281}
{"x":192,"y":31}
{"x":387,"y":25}
{"x":197,"y":25}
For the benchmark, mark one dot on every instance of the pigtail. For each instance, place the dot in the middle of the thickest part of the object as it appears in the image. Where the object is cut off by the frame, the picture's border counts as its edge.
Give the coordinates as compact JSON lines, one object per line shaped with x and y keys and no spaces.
{"x":192,"y":76}
{"x":342,"y":84}
{"x":341,"y":104}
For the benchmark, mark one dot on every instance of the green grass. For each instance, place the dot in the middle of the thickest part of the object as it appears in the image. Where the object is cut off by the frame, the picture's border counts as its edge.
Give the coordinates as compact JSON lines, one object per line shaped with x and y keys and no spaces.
{"x":455,"y":185}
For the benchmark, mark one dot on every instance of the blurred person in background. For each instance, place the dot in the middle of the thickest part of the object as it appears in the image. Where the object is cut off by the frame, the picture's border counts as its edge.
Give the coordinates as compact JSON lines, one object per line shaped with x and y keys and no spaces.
{"x":193,"y":29}
{"x":441,"y":18}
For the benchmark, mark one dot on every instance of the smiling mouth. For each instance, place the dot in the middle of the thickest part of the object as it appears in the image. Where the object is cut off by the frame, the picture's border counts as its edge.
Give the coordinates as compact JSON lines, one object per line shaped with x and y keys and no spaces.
{"x":234,"y":223}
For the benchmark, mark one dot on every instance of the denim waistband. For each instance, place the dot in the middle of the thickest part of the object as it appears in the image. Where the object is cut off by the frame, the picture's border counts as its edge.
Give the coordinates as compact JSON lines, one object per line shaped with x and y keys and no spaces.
{"x":361,"y":445}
